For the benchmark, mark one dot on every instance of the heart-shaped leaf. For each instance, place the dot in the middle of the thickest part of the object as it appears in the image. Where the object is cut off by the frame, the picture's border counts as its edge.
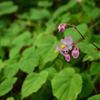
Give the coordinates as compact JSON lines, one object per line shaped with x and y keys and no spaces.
{"x":29,"y":60}
{"x":67,"y":84}
{"x":33,"y":83}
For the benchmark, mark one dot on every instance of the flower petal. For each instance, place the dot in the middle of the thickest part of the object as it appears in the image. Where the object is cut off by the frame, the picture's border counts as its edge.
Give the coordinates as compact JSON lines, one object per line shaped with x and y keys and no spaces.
{"x":69,"y":40}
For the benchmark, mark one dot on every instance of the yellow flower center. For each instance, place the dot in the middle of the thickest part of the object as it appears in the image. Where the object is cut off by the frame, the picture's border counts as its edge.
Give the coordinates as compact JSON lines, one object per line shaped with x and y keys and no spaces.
{"x":56,"y":51}
{"x":63,"y":46}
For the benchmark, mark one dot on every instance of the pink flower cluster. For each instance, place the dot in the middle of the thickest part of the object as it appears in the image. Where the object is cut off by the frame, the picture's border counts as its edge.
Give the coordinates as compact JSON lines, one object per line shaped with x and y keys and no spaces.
{"x":66,"y":45}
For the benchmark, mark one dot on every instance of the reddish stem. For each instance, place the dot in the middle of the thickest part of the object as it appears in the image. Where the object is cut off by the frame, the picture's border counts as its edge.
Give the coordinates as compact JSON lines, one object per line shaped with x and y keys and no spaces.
{"x":77,"y":42}
{"x":82,"y":37}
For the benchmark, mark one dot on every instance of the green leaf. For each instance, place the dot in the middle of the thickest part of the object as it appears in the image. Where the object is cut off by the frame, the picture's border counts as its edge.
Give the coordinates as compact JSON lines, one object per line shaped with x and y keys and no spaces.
{"x":92,"y":55}
{"x":37,"y":14}
{"x":44,"y":3}
{"x":2,"y":53}
{"x":59,"y":64}
{"x":46,"y":48}
{"x":89,"y":49}
{"x":93,"y":12}
{"x":2,"y":64}
{"x":7,"y":7}
{"x":63,"y":8}
{"x":86,"y":40}
{"x":19,"y":42}
{"x":95,"y":68}
{"x":67,"y":84}
{"x":6,"y":86}
{"x":87,"y":86}
{"x":10,"y":70}
{"x":74,"y":34}
{"x":94,"y":97}
{"x":65,"y":17}
{"x":33,"y":83}
{"x":85,"y":48}
{"x":29,"y":60}
{"x":10,"y":98}
{"x":52,"y":71}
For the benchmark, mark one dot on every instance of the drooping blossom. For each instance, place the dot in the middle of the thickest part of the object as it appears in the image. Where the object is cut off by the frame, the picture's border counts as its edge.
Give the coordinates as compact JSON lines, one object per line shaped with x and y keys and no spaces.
{"x":67,"y":41}
{"x":66,"y":45}
{"x":62,"y":27}
{"x":67,"y":56}
{"x":75,"y":52}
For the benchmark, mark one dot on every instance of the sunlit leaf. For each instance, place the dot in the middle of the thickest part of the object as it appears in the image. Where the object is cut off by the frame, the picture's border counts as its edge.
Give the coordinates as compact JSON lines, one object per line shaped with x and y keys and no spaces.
{"x":29,"y":60}
{"x":46,"y":48}
{"x":10,"y":70}
{"x":6,"y":86}
{"x":37,"y":14}
{"x":74,"y":34}
{"x":2,"y":64}
{"x":7,"y":7}
{"x":44,"y":3}
{"x":94,"y":97}
{"x":67,"y":84}
{"x":33,"y":83}
{"x":10,"y":98}
{"x":63,"y":8}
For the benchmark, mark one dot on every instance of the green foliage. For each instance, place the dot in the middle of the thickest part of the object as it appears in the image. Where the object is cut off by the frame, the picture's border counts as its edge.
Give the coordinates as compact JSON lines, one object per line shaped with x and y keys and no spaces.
{"x":10,"y":98}
{"x":96,"y":97}
{"x":64,"y":8}
{"x":87,"y":86}
{"x":6,"y":86}
{"x":29,"y":67}
{"x":73,"y":33}
{"x":67,"y":84}
{"x":2,"y":65}
{"x":44,"y":3}
{"x":7,"y":7}
{"x":29,"y":60}
{"x":46,"y":48}
{"x":95,"y":68}
{"x":36,"y":14}
{"x":33,"y":83}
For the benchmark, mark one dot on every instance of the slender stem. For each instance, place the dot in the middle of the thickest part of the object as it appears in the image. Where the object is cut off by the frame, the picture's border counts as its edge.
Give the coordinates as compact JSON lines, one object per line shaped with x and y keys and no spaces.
{"x":96,"y":92}
{"x":93,"y":81}
{"x":95,"y":46}
{"x":96,"y":77}
{"x":77,"y":41}
{"x":88,"y":67}
{"x":77,"y":30}
{"x":16,"y":91}
{"x":79,"y":33}
{"x":82,"y":37}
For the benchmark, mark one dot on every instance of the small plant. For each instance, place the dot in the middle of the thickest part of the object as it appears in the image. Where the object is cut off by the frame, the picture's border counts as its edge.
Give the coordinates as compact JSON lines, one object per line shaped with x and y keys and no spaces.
{"x":66,"y":44}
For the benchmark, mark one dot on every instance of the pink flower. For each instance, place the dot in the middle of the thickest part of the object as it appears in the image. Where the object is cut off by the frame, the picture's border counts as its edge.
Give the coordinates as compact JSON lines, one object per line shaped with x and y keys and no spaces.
{"x":75,"y":52}
{"x":62,"y":27}
{"x":67,"y":41}
{"x":67,"y":56}
{"x":59,"y":50}
{"x":79,"y":0}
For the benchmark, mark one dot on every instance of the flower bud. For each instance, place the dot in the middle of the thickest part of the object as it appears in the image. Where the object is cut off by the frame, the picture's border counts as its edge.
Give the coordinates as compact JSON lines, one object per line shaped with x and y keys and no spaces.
{"x":67,"y":57}
{"x":75,"y":53}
